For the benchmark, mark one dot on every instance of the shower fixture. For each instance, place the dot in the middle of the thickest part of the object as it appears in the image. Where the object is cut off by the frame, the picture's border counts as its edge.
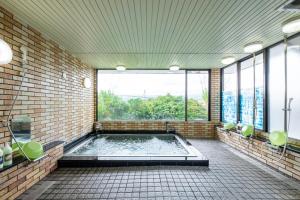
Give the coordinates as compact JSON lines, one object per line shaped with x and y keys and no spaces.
{"x":9,"y":120}
{"x":252,"y":48}
{"x":290,"y":26}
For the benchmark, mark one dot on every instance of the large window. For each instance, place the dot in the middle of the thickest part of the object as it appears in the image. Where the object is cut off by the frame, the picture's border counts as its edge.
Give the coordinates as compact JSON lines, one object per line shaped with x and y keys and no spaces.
{"x":293,"y":86}
{"x":277,"y":90}
{"x":240,"y":107}
{"x":276,"y":87}
{"x":229,"y":94}
{"x":247,"y":91}
{"x":198,"y":95}
{"x":152,"y":95}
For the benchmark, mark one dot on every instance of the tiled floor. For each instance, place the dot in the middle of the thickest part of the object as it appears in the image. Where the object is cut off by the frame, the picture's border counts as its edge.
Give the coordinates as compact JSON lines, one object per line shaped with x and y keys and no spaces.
{"x":229,"y":176}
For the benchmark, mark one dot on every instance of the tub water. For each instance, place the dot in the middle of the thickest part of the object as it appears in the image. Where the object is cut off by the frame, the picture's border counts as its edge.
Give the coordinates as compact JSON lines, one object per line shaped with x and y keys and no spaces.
{"x":133,"y":145}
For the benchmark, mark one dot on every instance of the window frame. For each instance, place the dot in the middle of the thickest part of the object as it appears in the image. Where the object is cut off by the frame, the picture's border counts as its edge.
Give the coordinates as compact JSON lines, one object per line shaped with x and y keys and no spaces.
{"x":266,"y":55}
{"x":185,"y":72}
{"x":268,"y":50}
{"x":237,"y":90}
{"x":238,"y":63}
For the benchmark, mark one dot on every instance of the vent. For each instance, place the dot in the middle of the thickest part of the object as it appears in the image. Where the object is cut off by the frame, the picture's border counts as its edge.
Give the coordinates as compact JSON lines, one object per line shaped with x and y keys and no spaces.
{"x":291,"y":5}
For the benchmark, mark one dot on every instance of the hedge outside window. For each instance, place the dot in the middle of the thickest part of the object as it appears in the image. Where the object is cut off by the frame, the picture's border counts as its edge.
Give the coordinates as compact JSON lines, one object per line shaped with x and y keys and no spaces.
{"x":152,"y":95}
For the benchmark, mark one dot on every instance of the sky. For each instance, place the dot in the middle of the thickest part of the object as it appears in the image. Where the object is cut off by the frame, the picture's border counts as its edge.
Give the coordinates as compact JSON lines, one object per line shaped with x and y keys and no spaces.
{"x":150,"y":84}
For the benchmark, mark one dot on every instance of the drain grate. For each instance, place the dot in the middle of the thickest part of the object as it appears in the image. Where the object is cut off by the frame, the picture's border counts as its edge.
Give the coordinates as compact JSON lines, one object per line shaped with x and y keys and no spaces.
{"x":37,"y":190}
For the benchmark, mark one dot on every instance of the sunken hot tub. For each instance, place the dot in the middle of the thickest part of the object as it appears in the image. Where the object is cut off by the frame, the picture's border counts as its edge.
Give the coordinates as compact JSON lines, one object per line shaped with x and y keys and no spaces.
{"x":133,"y":149}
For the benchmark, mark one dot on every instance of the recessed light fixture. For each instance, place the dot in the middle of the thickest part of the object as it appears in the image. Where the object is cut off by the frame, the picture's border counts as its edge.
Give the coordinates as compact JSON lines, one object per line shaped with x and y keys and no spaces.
{"x":5,"y":53}
{"x":253,"y":47}
{"x":121,"y":68}
{"x":228,"y":60}
{"x":174,"y":68}
{"x":291,"y":25}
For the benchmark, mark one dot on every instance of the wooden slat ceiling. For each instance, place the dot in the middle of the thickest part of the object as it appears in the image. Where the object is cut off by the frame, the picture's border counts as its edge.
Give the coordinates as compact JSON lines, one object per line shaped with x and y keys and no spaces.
{"x":154,"y":33}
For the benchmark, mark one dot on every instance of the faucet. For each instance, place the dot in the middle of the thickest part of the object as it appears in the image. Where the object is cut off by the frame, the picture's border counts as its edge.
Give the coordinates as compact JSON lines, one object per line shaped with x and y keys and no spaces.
{"x":98,"y":127}
{"x":169,"y":128}
{"x":166,"y":126}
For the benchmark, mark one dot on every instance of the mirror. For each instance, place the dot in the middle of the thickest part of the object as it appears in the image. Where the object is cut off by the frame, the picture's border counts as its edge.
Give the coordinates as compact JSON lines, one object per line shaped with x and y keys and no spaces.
{"x":21,"y":127}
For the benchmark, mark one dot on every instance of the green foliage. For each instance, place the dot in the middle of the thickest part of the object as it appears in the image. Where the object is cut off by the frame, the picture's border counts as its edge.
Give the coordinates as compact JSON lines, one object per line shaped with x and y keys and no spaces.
{"x":111,"y":106}
{"x":139,"y":109}
{"x":168,"y":107}
{"x":196,"y":110}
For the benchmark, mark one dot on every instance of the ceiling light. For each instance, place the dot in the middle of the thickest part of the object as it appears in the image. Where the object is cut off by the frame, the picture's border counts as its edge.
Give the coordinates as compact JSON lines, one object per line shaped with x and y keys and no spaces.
{"x":253,"y":47}
{"x":291,"y":25}
{"x":174,"y":68}
{"x":228,"y":60}
{"x":5,"y":53}
{"x":121,"y":68}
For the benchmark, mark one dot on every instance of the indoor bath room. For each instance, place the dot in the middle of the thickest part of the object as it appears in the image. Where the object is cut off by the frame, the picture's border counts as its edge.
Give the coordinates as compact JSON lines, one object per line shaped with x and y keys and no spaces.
{"x":149,"y":99}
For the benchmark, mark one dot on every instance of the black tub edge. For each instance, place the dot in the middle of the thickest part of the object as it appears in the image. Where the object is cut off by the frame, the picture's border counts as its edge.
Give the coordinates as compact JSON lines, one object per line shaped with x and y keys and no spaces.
{"x":126,"y":163}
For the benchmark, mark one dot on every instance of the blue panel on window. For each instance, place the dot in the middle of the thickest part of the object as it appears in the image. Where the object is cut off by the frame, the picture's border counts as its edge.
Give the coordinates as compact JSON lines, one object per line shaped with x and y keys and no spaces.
{"x":229,"y":106}
{"x":259,"y":92}
{"x":246,"y":106}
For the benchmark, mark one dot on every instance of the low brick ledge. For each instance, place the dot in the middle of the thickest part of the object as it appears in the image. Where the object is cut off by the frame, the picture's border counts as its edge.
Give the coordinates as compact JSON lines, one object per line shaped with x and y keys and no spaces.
{"x":21,"y":159}
{"x":20,"y":177}
{"x":260,"y":150}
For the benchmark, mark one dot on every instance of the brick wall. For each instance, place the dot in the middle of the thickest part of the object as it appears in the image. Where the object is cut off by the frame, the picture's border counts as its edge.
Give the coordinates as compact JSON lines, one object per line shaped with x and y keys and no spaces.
{"x":215,"y":95}
{"x":16,"y":180}
{"x":60,"y":109}
{"x":187,"y":129}
{"x":289,"y":165}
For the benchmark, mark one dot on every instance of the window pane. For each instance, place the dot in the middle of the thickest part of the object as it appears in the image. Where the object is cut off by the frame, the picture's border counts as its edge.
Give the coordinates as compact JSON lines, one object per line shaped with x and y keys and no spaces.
{"x":293,"y":86}
{"x":247,"y":85}
{"x":229,"y":94}
{"x":141,"y":95}
{"x":276,"y":87}
{"x":259,"y":92}
{"x":197,"y":93}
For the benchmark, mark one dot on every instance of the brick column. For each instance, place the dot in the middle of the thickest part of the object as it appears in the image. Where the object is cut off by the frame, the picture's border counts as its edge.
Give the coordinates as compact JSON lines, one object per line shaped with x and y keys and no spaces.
{"x":215,"y":95}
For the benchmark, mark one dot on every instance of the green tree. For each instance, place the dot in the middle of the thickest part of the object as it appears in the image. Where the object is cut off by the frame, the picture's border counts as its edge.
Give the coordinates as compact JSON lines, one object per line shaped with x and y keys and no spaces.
{"x":111,"y":106}
{"x":205,"y":97}
{"x":139,"y":109}
{"x":196,"y":110}
{"x":169,"y":107}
